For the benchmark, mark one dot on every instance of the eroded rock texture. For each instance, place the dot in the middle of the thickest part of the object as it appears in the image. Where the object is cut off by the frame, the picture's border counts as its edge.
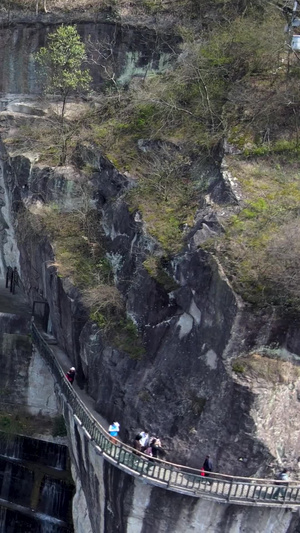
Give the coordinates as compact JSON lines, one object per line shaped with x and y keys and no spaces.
{"x":183,"y":387}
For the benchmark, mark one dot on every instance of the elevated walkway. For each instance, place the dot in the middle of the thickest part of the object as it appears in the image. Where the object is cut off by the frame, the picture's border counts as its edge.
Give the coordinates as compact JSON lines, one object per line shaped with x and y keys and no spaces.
{"x":169,"y":476}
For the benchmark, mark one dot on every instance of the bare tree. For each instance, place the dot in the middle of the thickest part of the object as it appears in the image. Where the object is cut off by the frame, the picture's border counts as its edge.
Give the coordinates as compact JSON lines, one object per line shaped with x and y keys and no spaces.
{"x":44,"y":6}
{"x":102,"y":53}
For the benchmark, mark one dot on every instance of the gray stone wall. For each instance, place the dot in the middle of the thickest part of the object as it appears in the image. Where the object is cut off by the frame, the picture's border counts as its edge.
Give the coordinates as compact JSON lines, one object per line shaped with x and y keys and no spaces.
{"x":182,"y":388}
{"x":131,"y":51}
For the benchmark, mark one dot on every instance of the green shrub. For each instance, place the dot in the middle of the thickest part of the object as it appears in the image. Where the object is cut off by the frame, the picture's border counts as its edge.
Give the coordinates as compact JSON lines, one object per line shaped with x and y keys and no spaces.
{"x":238,"y":367}
{"x":126,"y":337}
{"x":154,"y":267}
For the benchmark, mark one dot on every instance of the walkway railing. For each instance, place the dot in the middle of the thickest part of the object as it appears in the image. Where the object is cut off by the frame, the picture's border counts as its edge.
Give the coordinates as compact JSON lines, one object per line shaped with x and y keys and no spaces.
{"x":167,"y":475}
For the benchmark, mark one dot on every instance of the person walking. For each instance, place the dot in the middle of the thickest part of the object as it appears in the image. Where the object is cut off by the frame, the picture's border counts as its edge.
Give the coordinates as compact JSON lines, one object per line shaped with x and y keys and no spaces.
{"x":154,"y":448}
{"x":283,"y":479}
{"x":70,"y":375}
{"x":208,"y":468}
{"x":137,"y":444}
{"x":113,"y":430}
{"x":145,"y":439}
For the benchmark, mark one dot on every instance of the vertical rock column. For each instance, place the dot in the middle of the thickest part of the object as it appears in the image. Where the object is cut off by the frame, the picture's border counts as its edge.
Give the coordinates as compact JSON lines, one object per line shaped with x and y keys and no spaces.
{"x":9,"y":253}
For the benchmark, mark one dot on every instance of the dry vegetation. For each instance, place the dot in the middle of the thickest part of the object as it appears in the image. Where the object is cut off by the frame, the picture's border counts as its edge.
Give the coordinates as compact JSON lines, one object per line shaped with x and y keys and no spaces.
{"x":80,"y":255}
{"x":56,"y":5}
{"x":261,"y":245}
{"x":270,"y":369}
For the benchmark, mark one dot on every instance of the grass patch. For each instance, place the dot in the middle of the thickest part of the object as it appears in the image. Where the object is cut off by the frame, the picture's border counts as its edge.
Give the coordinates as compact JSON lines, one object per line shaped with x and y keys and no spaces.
{"x":20,"y":423}
{"x":120,"y":331}
{"x":271,"y":369}
{"x":80,"y":255}
{"x":261,"y":245}
{"x":155,"y":268}
{"x":58,"y":5}
{"x":127,"y":338}
{"x":238,"y":367}
{"x":73,"y":235}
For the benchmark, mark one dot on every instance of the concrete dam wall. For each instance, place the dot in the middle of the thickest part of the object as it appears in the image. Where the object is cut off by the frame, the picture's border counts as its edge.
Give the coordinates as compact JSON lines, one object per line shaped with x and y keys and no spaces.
{"x":36,"y":487}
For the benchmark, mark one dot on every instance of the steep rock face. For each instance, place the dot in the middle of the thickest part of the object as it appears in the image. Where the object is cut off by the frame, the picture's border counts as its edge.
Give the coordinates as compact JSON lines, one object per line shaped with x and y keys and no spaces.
{"x":172,"y":389}
{"x":182,"y":387}
{"x":130,"y":51}
{"x":275,"y":386}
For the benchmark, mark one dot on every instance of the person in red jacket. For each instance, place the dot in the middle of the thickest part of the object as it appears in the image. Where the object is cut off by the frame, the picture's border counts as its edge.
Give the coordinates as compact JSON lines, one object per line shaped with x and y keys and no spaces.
{"x":70,"y":375}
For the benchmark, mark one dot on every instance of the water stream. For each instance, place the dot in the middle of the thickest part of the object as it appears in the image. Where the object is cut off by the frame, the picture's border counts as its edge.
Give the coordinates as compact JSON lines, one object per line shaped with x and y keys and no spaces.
{"x":36,"y":489}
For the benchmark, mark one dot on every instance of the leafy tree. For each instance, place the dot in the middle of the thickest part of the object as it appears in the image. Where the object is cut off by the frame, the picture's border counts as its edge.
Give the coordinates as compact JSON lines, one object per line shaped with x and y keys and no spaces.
{"x":61,"y":65}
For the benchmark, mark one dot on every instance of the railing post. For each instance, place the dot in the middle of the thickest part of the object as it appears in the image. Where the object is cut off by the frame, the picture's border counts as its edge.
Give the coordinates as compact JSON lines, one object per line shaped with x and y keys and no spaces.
{"x":170,"y":476}
{"x":119,"y":458}
{"x":230,"y":490}
{"x":286,"y":490}
{"x":93,"y":430}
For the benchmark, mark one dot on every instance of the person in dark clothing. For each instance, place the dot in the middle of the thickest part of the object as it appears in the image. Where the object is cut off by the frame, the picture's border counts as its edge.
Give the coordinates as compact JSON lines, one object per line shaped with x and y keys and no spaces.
{"x":137,"y":444}
{"x":207,"y":467}
{"x":70,"y":375}
{"x":283,"y":479}
{"x":154,"y":447}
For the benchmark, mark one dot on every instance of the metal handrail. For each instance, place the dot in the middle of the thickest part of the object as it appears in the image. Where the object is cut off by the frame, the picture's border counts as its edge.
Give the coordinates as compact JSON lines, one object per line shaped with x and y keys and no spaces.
{"x":178,"y":478}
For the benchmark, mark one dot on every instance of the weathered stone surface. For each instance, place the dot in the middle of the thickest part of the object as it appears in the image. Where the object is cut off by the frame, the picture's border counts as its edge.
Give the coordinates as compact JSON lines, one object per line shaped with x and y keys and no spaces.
{"x":188,"y":334}
{"x":135,"y":51}
{"x":182,"y":388}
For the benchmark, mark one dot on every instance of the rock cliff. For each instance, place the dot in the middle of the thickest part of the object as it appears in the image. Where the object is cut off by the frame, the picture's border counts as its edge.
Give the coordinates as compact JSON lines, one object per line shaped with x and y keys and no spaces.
{"x":197,"y":369}
{"x":183,"y":386}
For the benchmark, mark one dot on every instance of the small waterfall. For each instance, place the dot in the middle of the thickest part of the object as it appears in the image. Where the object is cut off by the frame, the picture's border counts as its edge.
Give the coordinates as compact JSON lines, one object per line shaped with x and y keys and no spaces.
{"x":49,"y":525}
{"x":33,"y":450}
{"x":3,"y":520}
{"x":43,"y":452}
{"x":13,"y":521}
{"x":10,"y":446}
{"x":16,"y":483}
{"x":36,"y":490}
{"x":6,"y":481}
{"x":54,"y":498}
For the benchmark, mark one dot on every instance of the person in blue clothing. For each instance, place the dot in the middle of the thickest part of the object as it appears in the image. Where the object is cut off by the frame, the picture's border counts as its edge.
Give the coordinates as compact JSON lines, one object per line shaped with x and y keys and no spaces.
{"x":113,"y":430}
